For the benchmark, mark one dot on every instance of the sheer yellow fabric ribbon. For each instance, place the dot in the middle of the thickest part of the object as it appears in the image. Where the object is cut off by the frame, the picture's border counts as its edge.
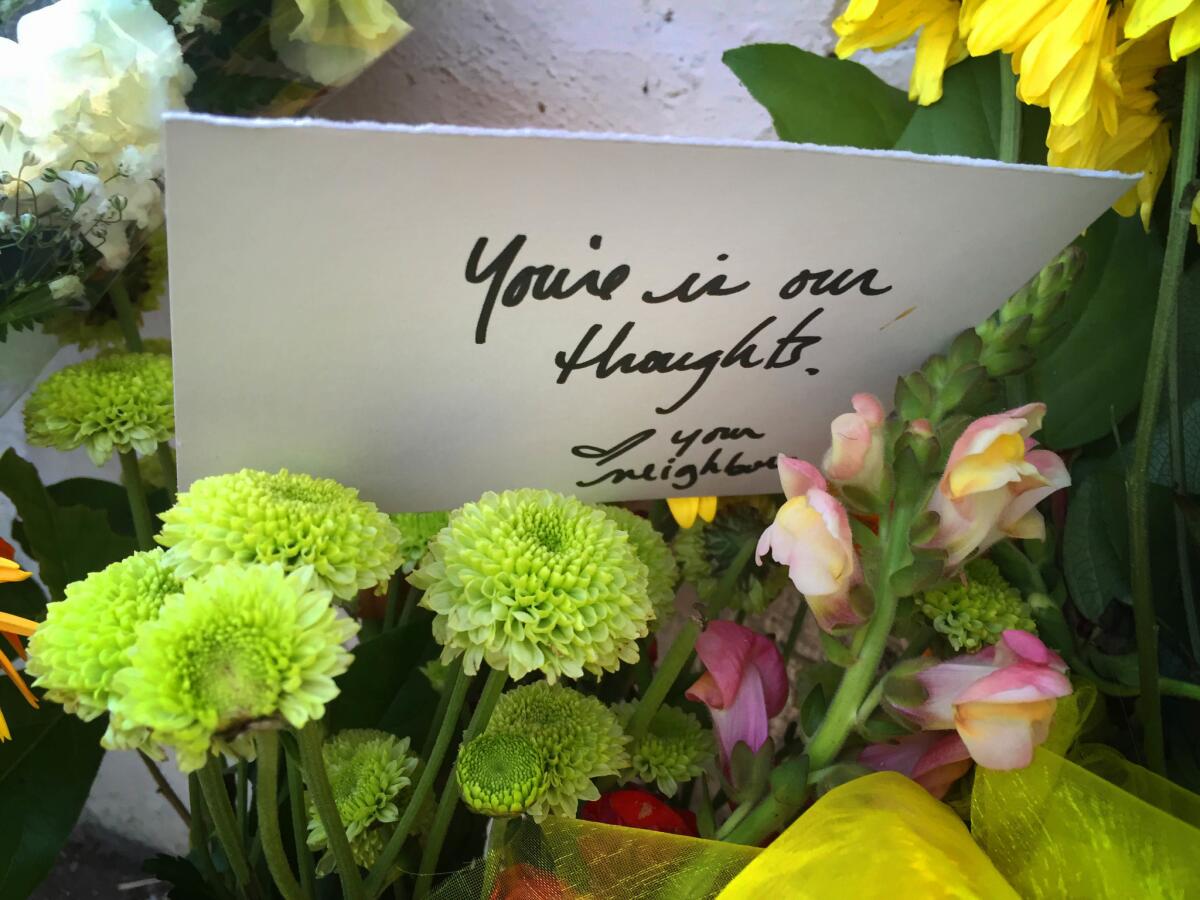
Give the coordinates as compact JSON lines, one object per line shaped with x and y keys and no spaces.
{"x":1057,"y":829}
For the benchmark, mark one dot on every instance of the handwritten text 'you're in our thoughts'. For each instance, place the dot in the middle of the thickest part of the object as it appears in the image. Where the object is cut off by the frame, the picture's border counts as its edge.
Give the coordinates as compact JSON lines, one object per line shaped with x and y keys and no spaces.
{"x":769,"y":344}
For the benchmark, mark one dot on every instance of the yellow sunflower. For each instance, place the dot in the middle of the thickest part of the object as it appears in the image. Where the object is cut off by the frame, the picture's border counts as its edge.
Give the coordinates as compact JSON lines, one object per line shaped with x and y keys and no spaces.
{"x":14,"y":628}
{"x":1061,"y":49}
{"x":882,"y":24}
{"x":1146,"y":15}
{"x":1137,"y":140}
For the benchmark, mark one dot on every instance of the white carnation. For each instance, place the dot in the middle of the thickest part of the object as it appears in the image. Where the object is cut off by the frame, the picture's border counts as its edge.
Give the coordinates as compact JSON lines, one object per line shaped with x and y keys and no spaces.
{"x":87,"y":80}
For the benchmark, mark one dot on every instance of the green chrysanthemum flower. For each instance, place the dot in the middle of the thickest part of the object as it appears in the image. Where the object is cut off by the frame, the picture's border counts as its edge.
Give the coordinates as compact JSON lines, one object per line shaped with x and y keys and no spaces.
{"x":501,"y":773}
{"x":368,"y":771}
{"x":122,"y":402}
{"x":532,"y":580}
{"x":975,"y":614}
{"x":674,"y":751}
{"x":437,"y":673}
{"x":241,"y":646}
{"x":85,"y":641}
{"x":656,"y":554}
{"x":416,"y":531}
{"x":294,"y":520}
{"x":708,"y":550}
{"x":578,"y":736}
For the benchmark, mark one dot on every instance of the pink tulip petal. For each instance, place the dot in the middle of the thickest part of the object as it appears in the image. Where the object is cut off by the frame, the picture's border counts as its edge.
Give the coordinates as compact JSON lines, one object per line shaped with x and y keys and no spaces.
{"x":798,"y":477}
{"x":1003,"y":735}
{"x":1023,"y":646}
{"x":851,"y":443}
{"x":724,"y":648}
{"x":705,"y":691}
{"x":933,"y":759}
{"x":943,"y":684}
{"x":869,"y":407}
{"x":772,"y":671}
{"x":901,"y":755}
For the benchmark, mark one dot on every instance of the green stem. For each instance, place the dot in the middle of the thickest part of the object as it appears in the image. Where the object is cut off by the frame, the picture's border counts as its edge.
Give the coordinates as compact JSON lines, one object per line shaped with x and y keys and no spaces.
{"x":449,"y":800}
{"x":126,"y":314}
{"x":1183,"y":550}
{"x":242,"y":796}
{"x":267,"y":800}
{"x":411,"y":599}
{"x":164,"y":788}
{"x":789,"y":792}
{"x":217,"y":800}
{"x":1145,"y":620}
{"x":794,"y":631}
{"x":131,"y":476}
{"x":317,"y":779}
{"x":842,"y":714}
{"x":432,"y":764}
{"x":166,"y":459}
{"x":299,"y":811}
{"x":664,"y":678}
{"x":1174,"y":688}
{"x":198,"y":834}
{"x":734,"y":820}
{"x":1010,"y":113}
{"x":392,"y":610}
{"x":493,"y":855}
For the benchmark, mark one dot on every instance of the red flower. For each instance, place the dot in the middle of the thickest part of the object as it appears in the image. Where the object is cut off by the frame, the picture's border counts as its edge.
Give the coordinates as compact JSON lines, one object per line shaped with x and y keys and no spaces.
{"x":6,"y":550}
{"x":525,"y":882}
{"x":635,"y":808}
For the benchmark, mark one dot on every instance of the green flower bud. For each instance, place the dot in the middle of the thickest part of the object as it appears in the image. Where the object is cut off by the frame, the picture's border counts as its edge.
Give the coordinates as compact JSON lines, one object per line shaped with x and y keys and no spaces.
{"x":501,"y":774}
{"x":534,"y":581}
{"x":291,"y":519}
{"x":578,"y":736}
{"x":369,"y":771}
{"x":674,"y":751}
{"x":416,"y":531}
{"x":974,"y":615}
{"x":122,"y":402}
{"x":708,"y":550}
{"x":656,"y":554}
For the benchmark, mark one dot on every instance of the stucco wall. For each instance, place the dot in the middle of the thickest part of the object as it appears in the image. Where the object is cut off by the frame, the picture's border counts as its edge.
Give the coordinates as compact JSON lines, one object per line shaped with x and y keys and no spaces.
{"x":637,"y":66}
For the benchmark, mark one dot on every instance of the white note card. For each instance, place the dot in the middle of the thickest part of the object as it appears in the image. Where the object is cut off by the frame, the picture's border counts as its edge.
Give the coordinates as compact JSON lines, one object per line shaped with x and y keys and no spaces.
{"x":428,"y":313}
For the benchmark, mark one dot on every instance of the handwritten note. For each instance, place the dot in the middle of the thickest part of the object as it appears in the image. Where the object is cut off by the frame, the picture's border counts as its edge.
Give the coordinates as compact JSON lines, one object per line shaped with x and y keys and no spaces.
{"x":429,"y":313}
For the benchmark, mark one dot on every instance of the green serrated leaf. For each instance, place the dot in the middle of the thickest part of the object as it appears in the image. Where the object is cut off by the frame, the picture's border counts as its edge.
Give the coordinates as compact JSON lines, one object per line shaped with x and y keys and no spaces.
{"x":817,"y":100}
{"x":46,"y":772}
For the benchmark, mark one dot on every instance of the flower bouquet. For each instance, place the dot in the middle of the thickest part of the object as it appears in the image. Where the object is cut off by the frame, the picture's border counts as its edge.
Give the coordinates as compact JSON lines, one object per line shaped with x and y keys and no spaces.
{"x":912,"y":670}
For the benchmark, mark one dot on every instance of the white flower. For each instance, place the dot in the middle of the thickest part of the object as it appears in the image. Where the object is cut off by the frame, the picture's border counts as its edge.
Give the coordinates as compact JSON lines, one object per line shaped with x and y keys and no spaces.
{"x":6,"y":221}
{"x":100,"y":217}
{"x":68,"y":287}
{"x":191,"y":16}
{"x":87,"y":79}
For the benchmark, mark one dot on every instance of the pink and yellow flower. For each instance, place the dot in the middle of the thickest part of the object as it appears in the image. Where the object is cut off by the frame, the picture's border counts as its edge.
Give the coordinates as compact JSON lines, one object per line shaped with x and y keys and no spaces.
{"x":744,"y":684}
{"x":855,"y":457}
{"x":811,"y":536}
{"x":993,"y":481}
{"x":933,"y":759}
{"x":1000,"y":701}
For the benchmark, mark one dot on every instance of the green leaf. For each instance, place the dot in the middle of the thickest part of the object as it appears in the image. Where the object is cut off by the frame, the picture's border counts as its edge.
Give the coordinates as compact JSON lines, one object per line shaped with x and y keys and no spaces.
{"x":1095,"y":560}
{"x":46,"y":771}
{"x":817,"y":100}
{"x":966,"y":121}
{"x":68,"y":542}
{"x":384,"y":687}
{"x":835,"y":651}
{"x":812,"y":710}
{"x":1093,"y":379}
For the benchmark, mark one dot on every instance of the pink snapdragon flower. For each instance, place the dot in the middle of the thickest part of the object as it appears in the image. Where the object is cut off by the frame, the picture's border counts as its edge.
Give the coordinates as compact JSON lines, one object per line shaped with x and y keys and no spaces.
{"x":993,"y":481}
{"x":744,"y":683}
{"x":933,"y":759}
{"x":855,"y":457}
{"x":811,"y":536}
{"x":1000,"y":701}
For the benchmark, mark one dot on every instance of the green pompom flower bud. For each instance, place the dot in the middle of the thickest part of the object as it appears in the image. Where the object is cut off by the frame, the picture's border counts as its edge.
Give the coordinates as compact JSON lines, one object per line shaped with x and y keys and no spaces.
{"x":656,"y":554}
{"x":532,"y":580}
{"x":241,"y":647}
{"x":368,"y":771}
{"x":501,"y":774}
{"x":578,"y":736}
{"x":674,"y":751}
{"x":416,"y":531}
{"x":122,"y":402}
{"x":86,"y":638}
{"x":709,"y":550}
{"x":291,"y":519}
{"x":974,"y":615}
